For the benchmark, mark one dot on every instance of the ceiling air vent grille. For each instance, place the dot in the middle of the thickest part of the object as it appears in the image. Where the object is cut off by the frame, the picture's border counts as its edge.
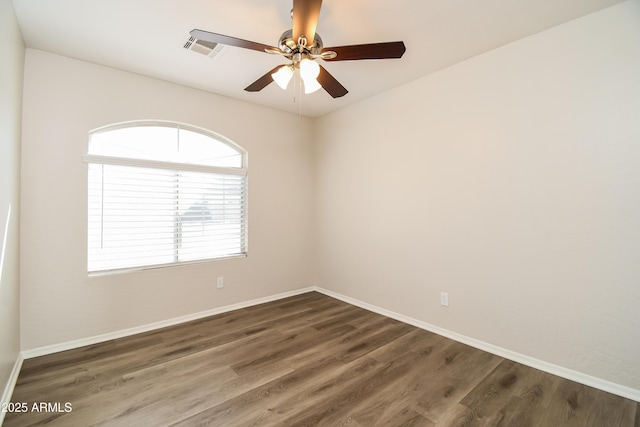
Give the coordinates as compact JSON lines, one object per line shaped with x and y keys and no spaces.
{"x":203,"y":47}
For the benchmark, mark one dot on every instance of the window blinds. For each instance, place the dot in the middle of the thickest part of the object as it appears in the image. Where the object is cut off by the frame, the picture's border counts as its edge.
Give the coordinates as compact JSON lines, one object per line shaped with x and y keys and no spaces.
{"x":151,"y":216}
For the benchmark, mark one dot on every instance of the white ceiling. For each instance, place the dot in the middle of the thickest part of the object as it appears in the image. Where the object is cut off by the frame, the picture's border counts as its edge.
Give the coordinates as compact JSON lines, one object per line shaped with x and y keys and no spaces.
{"x":147,"y":37}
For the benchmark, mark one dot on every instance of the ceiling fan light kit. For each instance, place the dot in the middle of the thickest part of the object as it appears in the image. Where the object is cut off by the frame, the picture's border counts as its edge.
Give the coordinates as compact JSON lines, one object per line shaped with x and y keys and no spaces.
{"x":282,"y":77}
{"x":303,"y":46}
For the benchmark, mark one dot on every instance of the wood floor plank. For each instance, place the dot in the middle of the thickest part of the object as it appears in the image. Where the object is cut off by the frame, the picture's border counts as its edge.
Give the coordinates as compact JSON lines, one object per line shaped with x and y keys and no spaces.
{"x":404,"y":393}
{"x":458,"y":415}
{"x":313,"y":394}
{"x":394,"y":401}
{"x":304,"y":360}
{"x":575,"y":404}
{"x":417,"y":341}
{"x":495,"y":391}
{"x":460,"y":369}
{"x":340,"y":403}
{"x":339,"y":342}
{"x":517,"y":412}
{"x":610,"y":410}
{"x":259,"y":401}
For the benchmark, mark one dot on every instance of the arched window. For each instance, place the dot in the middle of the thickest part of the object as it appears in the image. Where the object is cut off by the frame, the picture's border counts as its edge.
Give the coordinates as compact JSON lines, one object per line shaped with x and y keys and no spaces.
{"x":162,"y":193}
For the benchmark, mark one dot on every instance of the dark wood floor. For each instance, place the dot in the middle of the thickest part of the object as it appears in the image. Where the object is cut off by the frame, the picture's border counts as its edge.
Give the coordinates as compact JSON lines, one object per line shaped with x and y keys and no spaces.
{"x":302,"y":361}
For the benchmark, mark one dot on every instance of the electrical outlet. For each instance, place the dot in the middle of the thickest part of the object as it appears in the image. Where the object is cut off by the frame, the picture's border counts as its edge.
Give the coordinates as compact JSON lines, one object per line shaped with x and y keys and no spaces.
{"x":220,"y":283}
{"x":444,"y":299}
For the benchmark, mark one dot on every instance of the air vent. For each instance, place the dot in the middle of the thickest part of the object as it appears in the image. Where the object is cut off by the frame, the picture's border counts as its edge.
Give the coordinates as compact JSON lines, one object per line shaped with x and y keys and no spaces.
{"x":203,"y":47}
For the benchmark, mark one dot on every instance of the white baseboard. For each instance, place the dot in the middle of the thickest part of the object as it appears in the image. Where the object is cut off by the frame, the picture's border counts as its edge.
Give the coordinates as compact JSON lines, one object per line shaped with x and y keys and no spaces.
{"x":11,"y":384}
{"x":541,"y":365}
{"x":55,"y":348}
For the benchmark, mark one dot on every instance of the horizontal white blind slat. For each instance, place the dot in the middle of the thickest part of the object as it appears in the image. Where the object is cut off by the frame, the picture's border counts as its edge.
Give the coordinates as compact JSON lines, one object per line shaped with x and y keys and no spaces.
{"x":157,"y":164}
{"x":140,"y":216}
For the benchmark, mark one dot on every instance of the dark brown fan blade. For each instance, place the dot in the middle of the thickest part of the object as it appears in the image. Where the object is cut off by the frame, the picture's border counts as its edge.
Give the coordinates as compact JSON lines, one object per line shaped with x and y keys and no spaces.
{"x":262,"y":82}
{"x":330,"y":84}
{"x":367,"y":51}
{"x":228,"y":40}
{"x":305,"y":19}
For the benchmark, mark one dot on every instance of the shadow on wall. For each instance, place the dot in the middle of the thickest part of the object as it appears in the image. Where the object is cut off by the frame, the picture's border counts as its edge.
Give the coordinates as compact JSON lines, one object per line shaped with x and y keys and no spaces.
{"x":4,"y":241}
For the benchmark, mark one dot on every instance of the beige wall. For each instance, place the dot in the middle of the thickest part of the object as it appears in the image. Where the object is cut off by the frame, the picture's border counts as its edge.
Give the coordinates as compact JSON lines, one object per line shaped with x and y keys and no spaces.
{"x":63,"y":100}
{"x":510,"y":181}
{"x":11,"y":69}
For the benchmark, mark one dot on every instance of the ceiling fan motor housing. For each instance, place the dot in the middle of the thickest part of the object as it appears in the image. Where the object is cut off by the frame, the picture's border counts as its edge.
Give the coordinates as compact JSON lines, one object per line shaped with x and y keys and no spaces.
{"x":290,"y":46}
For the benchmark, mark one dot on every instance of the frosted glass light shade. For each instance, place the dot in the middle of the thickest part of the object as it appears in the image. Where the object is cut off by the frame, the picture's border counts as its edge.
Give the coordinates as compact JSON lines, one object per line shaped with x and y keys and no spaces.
{"x":309,"y":69}
{"x":311,"y":85}
{"x":283,"y":76}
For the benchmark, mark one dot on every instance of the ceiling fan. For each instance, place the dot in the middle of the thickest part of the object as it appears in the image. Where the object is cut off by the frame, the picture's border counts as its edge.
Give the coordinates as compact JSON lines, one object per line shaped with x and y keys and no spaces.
{"x":303,"y":46}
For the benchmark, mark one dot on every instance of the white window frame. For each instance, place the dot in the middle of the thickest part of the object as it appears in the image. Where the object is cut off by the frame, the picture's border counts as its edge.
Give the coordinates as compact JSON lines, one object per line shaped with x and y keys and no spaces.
{"x":97,"y":159}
